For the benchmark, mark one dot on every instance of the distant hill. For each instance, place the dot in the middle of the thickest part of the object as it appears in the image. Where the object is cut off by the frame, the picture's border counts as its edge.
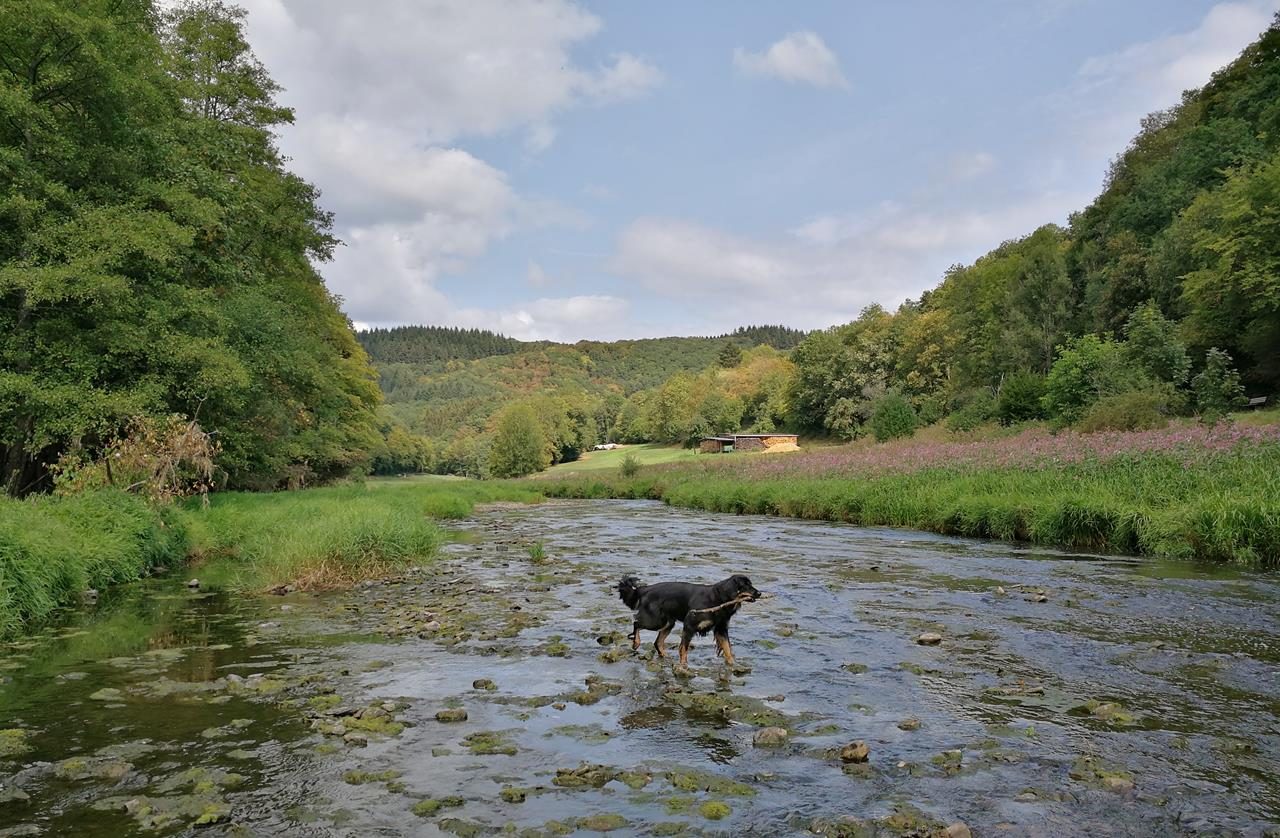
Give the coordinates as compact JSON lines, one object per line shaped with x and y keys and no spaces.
{"x":439,"y":381}
{"x":427,"y":344}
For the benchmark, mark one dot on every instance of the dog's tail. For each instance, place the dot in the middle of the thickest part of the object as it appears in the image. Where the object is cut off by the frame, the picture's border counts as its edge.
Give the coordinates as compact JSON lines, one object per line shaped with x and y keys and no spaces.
{"x":629,"y":590}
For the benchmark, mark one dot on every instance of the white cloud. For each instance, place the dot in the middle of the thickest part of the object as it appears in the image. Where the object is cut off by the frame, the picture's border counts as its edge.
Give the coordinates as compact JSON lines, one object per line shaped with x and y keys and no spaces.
{"x":564,"y":319}
{"x":441,"y":68}
{"x":799,"y":57}
{"x":825,"y":270}
{"x":384,"y":93}
{"x":1113,"y":92}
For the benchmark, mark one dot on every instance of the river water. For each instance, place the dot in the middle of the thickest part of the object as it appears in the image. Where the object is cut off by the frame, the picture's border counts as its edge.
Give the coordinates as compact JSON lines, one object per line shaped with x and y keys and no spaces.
{"x":1069,"y":695}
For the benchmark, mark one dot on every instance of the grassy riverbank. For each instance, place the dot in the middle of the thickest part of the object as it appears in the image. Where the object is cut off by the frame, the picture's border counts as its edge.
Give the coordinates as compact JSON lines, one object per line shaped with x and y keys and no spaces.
{"x":1193,"y":493}
{"x":52,"y":549}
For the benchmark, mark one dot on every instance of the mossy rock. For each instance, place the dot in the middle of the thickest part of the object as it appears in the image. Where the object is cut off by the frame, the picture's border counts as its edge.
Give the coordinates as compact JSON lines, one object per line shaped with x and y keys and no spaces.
{"x":359,"y":778}
{"x":603,"y":822}
{"x":513,"y":795}
{"x":714,"y":810}
{"x":586,"y":775}
{"x":465,"y":829}
{"x":383,"y":725}
{"x":430,"y":806}
{"x":679,"y":804}
{"x":490,"y":743}
{"x":691,"y":780}
{"x":14,"y":742}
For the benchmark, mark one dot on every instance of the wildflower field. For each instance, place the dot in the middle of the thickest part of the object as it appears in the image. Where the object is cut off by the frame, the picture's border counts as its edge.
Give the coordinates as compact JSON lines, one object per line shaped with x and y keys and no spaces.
{"x":1186,"y":491}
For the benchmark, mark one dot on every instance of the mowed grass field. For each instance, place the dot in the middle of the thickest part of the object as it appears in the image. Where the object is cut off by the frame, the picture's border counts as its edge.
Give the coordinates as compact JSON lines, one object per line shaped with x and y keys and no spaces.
{"x":612,"y":460}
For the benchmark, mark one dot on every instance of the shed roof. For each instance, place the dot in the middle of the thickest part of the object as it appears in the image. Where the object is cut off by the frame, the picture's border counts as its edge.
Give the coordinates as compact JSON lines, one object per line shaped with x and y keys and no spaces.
{"x":763,"y":436}
{"x":717,"y":439}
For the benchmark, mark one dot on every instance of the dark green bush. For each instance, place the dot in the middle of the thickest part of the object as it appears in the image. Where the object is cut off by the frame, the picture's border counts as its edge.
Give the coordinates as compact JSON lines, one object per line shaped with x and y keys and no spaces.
{"x":1021,"y":398}
{"x":1136,"y":410}
{"x":630,"y":466}
{"x":974,"y":409}
{"x":1217,"y":387}
{"x":892,"y":417}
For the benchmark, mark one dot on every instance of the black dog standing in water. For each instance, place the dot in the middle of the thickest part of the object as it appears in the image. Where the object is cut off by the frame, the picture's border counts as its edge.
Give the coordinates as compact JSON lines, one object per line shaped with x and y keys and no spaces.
{"x":701,"y":608}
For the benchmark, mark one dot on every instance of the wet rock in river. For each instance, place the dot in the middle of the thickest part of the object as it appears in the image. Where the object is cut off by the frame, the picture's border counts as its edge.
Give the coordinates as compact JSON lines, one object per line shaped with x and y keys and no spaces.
{"x":929,"y":638}
{"x":770,"y":737}
{"x":714,"y":810}
{"x":357,"y":777}
{"x":484,"y":684}
{"x":586,"y":775}
{"x":855,"y":668}
{"x":510,"y":794}
{"x":451,"y":714}
{"x":430,"y":806}
{"x":959,"y":829}
{"x":909,"y":724}
{"x":603,"y":823}
{"x":13,"y":743}
{"x":489,"y":743}
{"x":107,"y":694}
{"x":193,"y":584}
{"x":12,"y":794}
{"x":857,"y":751}
{"x":690,"y":780}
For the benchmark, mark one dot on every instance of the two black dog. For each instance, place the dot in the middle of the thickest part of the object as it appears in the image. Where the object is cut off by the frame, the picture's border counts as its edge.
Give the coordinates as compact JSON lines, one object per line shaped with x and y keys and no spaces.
{"x":700,"y":608}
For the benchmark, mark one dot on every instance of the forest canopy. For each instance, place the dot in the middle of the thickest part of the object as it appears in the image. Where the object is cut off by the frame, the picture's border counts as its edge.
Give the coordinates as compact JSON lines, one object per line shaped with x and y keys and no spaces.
{"x":156,"y":255}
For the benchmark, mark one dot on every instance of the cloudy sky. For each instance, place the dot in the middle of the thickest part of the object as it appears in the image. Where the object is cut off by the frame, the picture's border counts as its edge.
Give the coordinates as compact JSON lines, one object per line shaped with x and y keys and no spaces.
{"x":567,"y":170}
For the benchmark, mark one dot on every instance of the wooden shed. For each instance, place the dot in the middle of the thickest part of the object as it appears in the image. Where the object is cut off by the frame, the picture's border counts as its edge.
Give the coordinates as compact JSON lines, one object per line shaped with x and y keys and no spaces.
{"x":762,"y":442}
{"x":748,"y":442}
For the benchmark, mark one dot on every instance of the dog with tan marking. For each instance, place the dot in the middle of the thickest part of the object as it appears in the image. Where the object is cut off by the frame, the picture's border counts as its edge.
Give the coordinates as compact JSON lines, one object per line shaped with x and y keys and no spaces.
{"x":699,"y":608}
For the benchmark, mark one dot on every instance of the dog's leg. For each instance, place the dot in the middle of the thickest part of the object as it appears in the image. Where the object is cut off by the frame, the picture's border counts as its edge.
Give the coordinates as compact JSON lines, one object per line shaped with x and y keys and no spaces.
{"x":686,"y":640}
{"x":661,"y":643}
{"x":635,"y":637}
{"x":723,"y":647}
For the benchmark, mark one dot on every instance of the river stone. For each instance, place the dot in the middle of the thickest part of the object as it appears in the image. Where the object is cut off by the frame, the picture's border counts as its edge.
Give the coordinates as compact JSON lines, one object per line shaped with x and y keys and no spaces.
{"x":193,"y":583}
{"x":929,"y":638}
{"x":855,"y":752}
{"x":355,"y":737}
{"x":483,"y":684}
{"x":107,"y":694}
{"x":909,"y":724}
{"x":770,"y":737}
{"x":451,"y":714}
{"x":959,"y":829}
{"x":1117,"y":784}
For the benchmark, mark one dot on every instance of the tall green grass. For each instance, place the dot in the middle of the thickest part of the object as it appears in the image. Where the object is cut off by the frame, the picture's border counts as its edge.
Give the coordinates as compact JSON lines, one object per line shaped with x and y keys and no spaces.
{"x":329,"y":537}
{"x":53,"y":549}
{"x":1226,"y":508}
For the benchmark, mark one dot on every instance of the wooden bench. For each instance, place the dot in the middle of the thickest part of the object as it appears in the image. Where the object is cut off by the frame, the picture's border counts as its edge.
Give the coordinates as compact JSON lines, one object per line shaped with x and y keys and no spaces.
{"x":1256,"y":401}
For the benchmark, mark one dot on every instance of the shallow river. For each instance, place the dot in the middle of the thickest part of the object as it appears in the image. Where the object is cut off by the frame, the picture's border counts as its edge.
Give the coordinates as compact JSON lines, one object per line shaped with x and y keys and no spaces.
{"x":1069,"y":695}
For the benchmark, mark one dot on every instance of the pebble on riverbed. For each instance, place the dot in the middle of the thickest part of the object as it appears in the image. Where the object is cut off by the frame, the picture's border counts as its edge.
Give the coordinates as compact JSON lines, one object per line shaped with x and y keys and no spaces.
{"x":857,"y":751}
{"x":929,"y":638}
{"x":770,"y":737}
{"x":451,"y":714}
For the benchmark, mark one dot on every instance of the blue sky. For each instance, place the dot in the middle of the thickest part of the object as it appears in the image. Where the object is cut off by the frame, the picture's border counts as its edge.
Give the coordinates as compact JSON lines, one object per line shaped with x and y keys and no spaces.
{"x":567,"y":170}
